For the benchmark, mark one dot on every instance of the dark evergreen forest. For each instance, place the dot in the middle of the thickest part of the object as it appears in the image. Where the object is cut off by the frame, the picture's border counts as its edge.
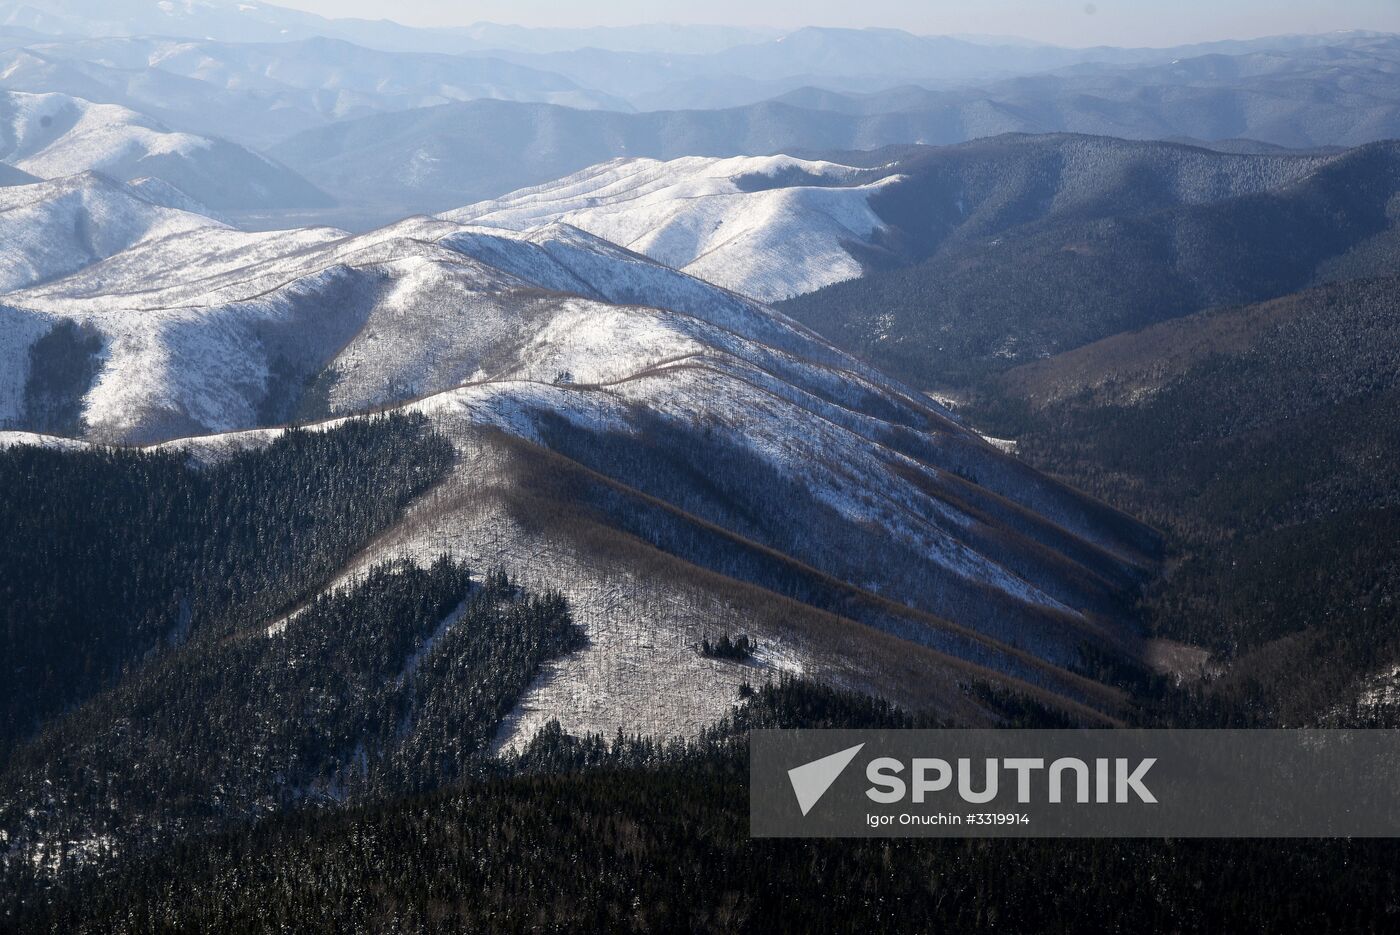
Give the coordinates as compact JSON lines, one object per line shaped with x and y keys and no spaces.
{"x":110,"y":556}
{"x":1262,"y":440}
{"x":628,"y":835}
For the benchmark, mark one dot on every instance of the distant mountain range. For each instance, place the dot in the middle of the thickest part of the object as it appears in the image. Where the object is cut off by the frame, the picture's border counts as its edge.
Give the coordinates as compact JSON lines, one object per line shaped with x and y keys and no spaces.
{"x":864,"y":60}
{"x":651,"y":66}
{"x":233,"y":21}
{"x":437,"y":158}
{"x":389,"y":127}
{"x":260,"y":93}
{"x":1336,"y":94}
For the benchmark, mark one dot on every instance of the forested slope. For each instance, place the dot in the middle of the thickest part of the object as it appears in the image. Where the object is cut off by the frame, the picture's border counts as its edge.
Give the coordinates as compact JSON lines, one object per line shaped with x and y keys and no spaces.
{"x":180,"y":663}
{"x":652,"y":838}
{"x":1263,"y":438}
{"x":112,"y":556}
{"x":1047,"y":271}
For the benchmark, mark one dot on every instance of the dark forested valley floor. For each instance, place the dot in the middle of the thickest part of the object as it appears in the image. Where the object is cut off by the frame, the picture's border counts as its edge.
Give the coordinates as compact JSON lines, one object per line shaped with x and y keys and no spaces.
{"x":625,"y":836}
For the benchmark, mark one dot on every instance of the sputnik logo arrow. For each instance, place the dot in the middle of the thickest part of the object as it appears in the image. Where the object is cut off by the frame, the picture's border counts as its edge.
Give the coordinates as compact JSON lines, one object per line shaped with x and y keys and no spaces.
{"x":811,"y":780}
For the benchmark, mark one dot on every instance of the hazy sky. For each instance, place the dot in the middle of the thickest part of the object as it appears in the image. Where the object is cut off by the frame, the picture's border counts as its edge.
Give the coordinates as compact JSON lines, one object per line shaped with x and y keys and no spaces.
{"x":1068,"y":22}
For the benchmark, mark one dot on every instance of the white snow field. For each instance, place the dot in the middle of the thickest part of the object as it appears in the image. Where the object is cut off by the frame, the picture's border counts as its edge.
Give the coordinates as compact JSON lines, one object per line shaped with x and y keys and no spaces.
{"x":771,"y":227}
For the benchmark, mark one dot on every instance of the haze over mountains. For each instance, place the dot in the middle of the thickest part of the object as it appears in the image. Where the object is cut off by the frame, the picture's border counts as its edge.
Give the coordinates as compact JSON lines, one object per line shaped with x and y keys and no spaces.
{"x":864,"y":60}
{"x":390,"y":120}
{"x":654,"y":66}
{"x":260,"y":93}
{"x":265,"y":22}
{"x":443,"y":155}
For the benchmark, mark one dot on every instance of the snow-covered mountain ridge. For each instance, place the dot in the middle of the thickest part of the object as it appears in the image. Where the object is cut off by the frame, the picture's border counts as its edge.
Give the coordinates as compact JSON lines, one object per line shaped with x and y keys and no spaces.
{"x":55,"y":228}
{"x":673,"y":409}
{"x":770,"y":226}
{"x":51,"y":136}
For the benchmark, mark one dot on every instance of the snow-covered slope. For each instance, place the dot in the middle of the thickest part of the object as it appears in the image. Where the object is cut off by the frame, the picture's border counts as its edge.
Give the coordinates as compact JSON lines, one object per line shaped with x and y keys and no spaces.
{"x":55,"y":135}
{"x":161,"y":192}
{"x":770,"y":227}
{"x":200,"y":324}
{"x":610,"y":414}
{"x":51,"y":229}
